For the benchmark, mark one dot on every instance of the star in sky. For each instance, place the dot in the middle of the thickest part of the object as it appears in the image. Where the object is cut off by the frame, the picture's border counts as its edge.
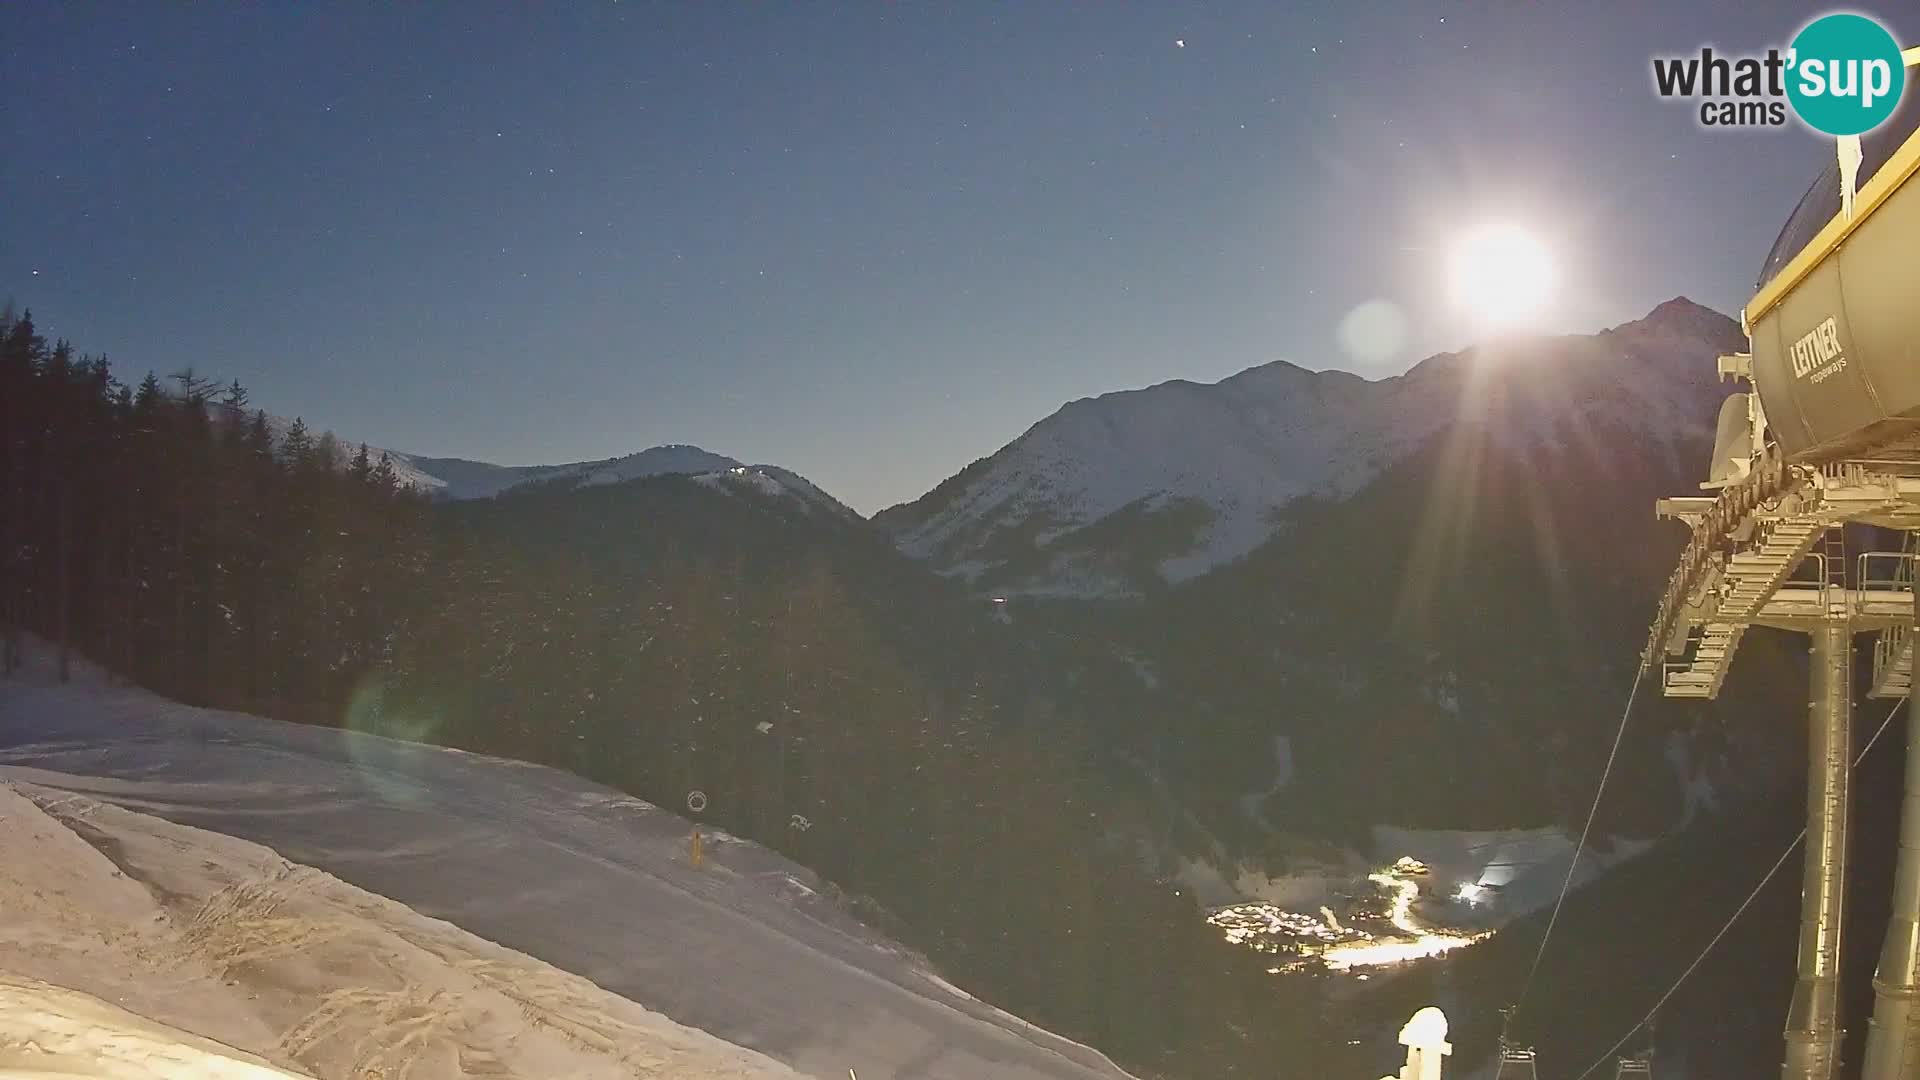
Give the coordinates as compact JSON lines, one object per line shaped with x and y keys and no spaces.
{"x":967,"y":224}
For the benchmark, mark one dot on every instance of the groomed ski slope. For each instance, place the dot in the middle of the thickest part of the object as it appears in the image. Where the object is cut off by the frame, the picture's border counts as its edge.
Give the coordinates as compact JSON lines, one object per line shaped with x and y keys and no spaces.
{"x":150,"y":930}
{"x":588,"y":880}
{"x":48,"y":1032}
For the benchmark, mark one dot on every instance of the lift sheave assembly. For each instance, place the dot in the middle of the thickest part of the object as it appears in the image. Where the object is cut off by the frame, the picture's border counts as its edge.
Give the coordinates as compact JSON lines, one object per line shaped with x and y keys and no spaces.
{"x":1826,"y":435}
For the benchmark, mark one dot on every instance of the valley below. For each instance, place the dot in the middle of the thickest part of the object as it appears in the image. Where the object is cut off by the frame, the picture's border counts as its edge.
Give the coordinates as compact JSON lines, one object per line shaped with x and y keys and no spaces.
{"x":1200,"y":764}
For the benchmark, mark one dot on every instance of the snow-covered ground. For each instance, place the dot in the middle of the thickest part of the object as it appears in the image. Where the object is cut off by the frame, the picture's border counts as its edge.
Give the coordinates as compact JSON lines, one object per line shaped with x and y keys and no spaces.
{"x":263,"y":950}
{"x":1510,"y":872}
{"x":48,"y":1032}
{"x":220,"y":937}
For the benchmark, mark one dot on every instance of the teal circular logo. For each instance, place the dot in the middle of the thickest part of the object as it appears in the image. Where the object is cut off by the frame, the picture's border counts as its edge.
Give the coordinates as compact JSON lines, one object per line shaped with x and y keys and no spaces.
{"x":1844,"y":74}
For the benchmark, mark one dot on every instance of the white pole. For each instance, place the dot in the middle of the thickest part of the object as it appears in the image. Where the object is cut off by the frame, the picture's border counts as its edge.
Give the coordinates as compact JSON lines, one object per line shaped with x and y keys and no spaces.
{"x":1848,"y":147}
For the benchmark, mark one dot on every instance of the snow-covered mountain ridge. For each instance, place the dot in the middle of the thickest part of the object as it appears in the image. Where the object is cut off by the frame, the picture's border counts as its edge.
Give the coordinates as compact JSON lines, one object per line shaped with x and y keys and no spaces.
{"x":459,"y":478}
{"x":1173,"y":480}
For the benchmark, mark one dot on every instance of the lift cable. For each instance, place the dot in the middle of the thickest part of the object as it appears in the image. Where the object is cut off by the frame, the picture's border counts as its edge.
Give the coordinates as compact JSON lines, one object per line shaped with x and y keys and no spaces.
{"x":1739,"y":911}
{"x":1573,"y":863}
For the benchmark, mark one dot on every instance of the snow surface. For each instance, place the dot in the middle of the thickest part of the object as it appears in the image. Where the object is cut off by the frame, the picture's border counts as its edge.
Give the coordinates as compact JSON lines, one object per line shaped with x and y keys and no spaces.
{"x":1251,"y":803}
{"x":773,"y":482}
{"x":222,"y":937}
{"x":1521,"y":869}
{"x":48,"y":1032}
{"x":576,"y":875}
{"x":658,"y":461}
{"x":1246,"y":447}
{"x":457,"y":478}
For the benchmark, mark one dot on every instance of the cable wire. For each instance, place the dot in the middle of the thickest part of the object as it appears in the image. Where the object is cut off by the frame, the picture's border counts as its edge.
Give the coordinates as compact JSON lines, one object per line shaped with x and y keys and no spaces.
{"x":1574,"y":863}
{"x":1739,"y":911}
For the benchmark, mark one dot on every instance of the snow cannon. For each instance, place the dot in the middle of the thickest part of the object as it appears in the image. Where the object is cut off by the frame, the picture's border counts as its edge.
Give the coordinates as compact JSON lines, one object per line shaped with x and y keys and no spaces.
{"x":1835,"y":320}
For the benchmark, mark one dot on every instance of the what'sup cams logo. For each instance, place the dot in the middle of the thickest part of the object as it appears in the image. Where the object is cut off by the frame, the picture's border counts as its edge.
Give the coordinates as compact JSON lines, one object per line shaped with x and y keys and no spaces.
{"x":1841,"y":76}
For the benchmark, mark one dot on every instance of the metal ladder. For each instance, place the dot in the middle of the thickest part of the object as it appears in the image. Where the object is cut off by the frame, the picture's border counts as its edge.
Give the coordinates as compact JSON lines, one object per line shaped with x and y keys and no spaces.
{"x":1833,"y":545}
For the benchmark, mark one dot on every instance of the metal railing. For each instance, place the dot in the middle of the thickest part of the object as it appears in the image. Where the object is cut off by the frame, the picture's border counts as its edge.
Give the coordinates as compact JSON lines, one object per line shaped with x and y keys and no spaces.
{"x":1896,"y":641}
{"x":1815,"y":590}
{"x":1709,"y":540}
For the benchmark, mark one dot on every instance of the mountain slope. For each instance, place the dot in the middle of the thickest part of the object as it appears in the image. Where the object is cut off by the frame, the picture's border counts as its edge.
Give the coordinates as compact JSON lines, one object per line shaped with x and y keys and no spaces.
{"x":226,"y":939}
{"x":458,"y":479}
{"x":1460,"y":631}
{"x":1129,"y":491}
{"x":661,"y":637}
{"x":598,"y":884}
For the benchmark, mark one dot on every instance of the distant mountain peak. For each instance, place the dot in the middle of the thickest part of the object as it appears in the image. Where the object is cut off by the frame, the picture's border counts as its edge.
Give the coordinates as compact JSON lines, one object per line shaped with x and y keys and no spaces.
{"x":1275,"y":369}
{"x":1677,"y":307}
{"x":1118,"y":494}
{"x":1684,"y":316}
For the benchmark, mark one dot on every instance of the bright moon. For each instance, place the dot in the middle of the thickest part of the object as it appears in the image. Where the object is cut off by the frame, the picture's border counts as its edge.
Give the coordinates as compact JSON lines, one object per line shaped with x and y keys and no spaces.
{"x":1501,"y":274}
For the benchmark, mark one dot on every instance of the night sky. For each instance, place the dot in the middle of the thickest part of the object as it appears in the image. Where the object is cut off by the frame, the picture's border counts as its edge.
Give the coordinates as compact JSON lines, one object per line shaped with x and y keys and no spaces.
{"x":870,"y":242}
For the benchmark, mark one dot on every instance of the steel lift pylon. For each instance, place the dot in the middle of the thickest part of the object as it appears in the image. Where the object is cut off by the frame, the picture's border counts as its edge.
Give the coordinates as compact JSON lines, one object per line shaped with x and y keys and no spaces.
{"x":1828,"y":437}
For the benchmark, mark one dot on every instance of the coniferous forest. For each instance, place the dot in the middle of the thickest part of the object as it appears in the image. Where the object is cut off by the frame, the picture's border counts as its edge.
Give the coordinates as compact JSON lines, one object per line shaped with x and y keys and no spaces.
{"x":637,"y":635}
{"x":971,"y":788}
{"x":165,"y":530}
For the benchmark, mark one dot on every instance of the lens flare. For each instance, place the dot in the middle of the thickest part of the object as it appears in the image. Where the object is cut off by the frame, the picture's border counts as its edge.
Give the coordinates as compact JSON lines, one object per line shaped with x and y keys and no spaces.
{"x":1373,"y":333}
{"x":388,"y":745}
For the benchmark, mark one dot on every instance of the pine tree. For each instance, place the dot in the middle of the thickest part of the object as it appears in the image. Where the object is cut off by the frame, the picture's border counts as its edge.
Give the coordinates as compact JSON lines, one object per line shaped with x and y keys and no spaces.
{"x":62,"y":419}
{"x":149,"y":392}
{"x":326,"y":452}
{"x":296,"y":448}
{"x":257,"y":479}
{"x":142,"y":554}
{"x":194,"y":389}
{"x":21,"y":354}
{"x":195,"y":582}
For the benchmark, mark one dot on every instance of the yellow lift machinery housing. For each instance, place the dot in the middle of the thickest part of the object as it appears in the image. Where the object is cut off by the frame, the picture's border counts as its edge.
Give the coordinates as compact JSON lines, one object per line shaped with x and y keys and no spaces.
{"x":1828,"y":435}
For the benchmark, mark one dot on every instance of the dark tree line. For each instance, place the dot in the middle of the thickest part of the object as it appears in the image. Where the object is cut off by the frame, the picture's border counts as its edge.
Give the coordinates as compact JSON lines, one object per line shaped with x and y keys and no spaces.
{"x":164,"y":529}
{"x":657,"y":637}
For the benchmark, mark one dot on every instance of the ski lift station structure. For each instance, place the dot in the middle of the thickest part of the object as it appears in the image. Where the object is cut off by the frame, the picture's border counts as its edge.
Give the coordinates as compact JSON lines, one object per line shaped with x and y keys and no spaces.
{"x":1824,"y":435}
